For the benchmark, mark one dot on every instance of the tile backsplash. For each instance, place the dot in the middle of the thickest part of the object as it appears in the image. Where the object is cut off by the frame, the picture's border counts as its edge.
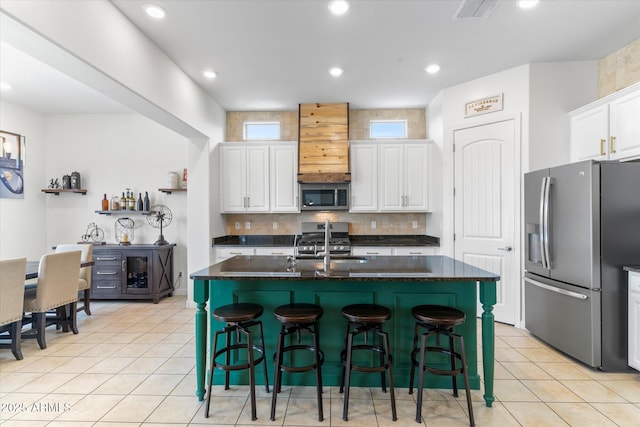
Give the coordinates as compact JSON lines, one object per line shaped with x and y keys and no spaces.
{"x":360,"y":224}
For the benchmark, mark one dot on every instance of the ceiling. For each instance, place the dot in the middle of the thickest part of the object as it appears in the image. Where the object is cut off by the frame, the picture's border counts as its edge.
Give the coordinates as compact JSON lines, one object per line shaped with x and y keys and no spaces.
{"x":274,"y":54}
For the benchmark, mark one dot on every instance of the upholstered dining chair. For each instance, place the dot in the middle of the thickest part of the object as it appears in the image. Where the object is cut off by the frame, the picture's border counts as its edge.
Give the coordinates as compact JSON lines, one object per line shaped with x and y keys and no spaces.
{"x":84,"y":283}
{"x":57,"y":287}
{"x":12,"y":272}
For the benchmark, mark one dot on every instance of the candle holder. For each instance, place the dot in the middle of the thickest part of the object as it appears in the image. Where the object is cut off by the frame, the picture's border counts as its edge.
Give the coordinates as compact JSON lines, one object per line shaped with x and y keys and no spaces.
{"x":124,"y":231}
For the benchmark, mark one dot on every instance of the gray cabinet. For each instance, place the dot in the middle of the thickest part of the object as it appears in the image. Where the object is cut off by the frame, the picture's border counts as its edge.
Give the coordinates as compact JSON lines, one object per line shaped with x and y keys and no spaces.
{"x":132,"y":272}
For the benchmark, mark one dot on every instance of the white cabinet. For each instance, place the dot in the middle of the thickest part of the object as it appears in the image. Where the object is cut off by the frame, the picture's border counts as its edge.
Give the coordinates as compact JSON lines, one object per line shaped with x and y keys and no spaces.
{"x":244,"y":177}
{"x":364,"y":177}
{"x":608,"y":129}
{"x":371,"y":250}
{"x":415,"y":250}
{"x":275,"y":251}
{"x":394,"y":250}
{"x":284,"y":177}
{"x":390,"y":176}
{"x":403,"y":169}
{"x":634,"y":320}
{"x":225,"y":252}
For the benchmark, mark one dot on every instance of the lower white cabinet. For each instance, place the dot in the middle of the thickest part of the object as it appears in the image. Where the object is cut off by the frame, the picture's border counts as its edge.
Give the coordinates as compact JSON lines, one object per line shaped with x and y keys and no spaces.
{"x":415,"y":250}
{"x":371,"y":250}
{"x":225,"y":252}
{"x":276,"y":251}
{"x":634,"y":320}
{"x":394,"y":250}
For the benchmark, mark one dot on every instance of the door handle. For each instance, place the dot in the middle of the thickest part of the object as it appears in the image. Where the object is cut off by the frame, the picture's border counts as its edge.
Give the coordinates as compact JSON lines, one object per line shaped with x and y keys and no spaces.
{"x":507,"y":248}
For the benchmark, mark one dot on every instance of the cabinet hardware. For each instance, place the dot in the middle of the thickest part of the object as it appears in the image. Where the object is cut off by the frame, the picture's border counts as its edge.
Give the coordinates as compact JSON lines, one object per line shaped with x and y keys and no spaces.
{"x":612,"y":140}
{"x":105,"y":287}
{"x":602,"y":141}
{"x":106,"y":273}
{"x":124,"y":265}
{"x":111,"y":258}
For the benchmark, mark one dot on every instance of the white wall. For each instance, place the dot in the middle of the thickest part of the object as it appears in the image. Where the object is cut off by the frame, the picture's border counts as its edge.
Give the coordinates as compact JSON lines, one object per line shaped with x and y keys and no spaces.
{"x":22,"y":221}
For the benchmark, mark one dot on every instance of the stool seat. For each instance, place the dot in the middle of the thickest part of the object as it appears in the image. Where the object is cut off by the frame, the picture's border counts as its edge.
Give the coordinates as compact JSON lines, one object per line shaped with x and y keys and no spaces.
{"x":241,"y":312}
{"x":438,"y":315}
{"x":298,"y":313}
{"x":366,"y":313}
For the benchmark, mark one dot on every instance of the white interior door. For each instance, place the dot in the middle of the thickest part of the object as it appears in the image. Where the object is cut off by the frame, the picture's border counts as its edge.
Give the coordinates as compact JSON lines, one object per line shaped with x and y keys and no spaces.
{"x":485,"y":206}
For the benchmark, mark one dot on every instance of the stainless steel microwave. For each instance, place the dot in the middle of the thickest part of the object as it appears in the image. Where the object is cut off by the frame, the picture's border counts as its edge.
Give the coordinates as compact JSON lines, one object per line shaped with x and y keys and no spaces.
{"x":324,"y":197}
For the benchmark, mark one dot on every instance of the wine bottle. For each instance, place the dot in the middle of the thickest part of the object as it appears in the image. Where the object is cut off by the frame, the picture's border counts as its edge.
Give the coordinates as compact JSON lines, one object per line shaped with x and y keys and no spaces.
{"x":105,"y":203}
{"x":147,"y":204}
{"x":132,"y":202}
{"x":140,"y":203}
{"x":123,"y":202}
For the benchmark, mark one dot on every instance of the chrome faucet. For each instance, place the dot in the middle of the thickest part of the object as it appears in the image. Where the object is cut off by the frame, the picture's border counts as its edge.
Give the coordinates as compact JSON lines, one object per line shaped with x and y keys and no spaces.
{"x":325,"y":253}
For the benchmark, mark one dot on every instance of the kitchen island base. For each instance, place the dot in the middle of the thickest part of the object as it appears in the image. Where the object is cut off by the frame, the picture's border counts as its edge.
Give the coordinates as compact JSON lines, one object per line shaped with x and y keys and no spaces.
{"x":332,"y":294}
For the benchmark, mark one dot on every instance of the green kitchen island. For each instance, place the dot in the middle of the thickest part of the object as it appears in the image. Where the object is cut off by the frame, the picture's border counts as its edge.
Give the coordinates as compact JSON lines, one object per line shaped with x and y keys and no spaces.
{"x":398,"y":282}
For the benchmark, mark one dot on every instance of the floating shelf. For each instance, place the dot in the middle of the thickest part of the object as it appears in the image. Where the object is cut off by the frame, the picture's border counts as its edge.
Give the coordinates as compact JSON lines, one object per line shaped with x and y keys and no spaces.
{"x":171,"y":190}
{"x":57,"y":191}
{"x":122,"y":212}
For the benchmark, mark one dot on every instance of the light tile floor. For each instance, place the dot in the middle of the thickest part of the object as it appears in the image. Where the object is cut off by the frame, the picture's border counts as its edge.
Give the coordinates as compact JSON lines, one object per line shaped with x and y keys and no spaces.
{"x":132,"y":365}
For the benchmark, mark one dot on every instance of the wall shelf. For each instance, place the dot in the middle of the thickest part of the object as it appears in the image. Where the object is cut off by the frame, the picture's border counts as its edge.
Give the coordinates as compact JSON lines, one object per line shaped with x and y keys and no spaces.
{"x":57,"y":191}
{"x":123,"y":212}
{"x":171,"y":190}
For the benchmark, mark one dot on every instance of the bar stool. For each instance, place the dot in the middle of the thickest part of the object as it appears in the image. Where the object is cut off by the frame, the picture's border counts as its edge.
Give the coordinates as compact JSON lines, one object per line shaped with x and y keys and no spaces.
{"x":366,"y":319}
{"x":438,"y":320}
{"x":238,"y":318}
{"x":296,"y":319}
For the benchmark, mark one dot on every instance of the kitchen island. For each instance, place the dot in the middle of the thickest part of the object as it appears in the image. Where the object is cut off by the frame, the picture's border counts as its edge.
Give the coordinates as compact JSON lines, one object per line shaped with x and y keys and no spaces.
{"x":396,"y":282}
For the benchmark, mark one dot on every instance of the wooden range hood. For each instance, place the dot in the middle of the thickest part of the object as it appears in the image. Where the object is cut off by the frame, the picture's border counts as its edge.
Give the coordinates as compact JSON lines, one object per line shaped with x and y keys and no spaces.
{"x":323,"y":152}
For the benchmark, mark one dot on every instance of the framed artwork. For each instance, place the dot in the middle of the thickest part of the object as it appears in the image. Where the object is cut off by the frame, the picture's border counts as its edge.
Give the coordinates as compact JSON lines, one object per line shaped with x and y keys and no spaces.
{"x":12,"y":162}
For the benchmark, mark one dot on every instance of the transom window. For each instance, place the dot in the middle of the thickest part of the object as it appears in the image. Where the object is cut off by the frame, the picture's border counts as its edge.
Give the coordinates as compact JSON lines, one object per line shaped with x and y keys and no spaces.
{"x":387,"y":129}
{"x":261,"y":130}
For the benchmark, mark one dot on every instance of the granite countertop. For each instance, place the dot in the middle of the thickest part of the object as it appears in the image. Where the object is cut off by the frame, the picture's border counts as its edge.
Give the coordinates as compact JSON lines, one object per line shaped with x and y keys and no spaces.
{"x":633,"y":268}
{"x":356,"y":240}
{"x":390,"y":268}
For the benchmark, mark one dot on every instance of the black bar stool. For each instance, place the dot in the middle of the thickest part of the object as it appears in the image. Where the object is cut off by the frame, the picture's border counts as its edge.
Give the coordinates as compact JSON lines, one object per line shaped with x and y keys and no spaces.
{"x":239,"y":318}
{"x":296,"y":319}
{"x":438,"y":320}
{"x":366,"y":319}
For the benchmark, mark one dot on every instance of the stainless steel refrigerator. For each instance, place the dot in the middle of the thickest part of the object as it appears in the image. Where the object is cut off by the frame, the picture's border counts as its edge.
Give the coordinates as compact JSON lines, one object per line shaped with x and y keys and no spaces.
{"x":582,"y":225}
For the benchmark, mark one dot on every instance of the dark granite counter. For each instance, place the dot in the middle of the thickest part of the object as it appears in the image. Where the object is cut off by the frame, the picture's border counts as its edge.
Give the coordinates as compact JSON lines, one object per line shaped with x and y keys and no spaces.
{"x":356,"y":240}
{"x":397,"y":268}
{"x":634,"y":268}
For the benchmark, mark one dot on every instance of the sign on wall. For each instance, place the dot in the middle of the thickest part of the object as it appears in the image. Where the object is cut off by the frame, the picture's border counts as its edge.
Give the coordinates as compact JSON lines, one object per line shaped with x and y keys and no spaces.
{"x":12,"y":152}
{"x":483,"y":106}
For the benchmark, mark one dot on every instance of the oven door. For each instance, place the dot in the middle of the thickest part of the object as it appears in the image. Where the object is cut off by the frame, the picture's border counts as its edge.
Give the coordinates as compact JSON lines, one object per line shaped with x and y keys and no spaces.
{"x":324,"y":197}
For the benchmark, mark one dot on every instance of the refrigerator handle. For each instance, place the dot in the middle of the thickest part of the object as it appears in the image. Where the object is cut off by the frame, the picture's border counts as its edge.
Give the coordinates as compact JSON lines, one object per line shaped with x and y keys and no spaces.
{"x":546,"y":253}
{"x":542,"y":222}
{"x":556,"y":290}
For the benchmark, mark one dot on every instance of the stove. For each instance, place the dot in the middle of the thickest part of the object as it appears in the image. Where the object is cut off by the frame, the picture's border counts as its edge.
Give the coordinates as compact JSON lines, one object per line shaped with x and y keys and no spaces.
{"x":311,"y":240}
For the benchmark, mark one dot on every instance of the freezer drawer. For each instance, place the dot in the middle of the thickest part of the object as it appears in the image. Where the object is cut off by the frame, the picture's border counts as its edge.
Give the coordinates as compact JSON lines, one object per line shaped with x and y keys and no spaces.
{"x":564,"y":316}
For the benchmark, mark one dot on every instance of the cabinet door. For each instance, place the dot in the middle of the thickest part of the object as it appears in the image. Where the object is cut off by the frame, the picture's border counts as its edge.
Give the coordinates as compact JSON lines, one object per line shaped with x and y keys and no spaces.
{"x":415,"y":175}
{"x":624,"y":126}
{"x":634,"y":320}
{"x":225,"y":252}
{"x":371,"y":250}
{"x":275,"y":251}
{"x":364,"y":178}
{"x":107,"y":271}
{"x":589,"y":134}
{"x":257,"y":169}
{"x":390,"y":177}
{"x":414,"y":250}
{"x":233,"y":176}
{"x":283,"y":161}
{"x":138,"y":264}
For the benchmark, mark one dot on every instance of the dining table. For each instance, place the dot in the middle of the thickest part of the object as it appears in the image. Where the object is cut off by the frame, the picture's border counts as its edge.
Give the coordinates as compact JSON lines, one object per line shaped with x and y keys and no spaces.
{"x":33,"y":266}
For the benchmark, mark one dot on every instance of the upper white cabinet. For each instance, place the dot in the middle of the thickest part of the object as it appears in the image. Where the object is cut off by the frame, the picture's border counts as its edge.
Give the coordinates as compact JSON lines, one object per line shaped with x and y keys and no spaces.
{"x":390,"y":176}
{"x":608,"y":129}
{"x":364,"y":177}
{"x":403,"y":172}
{"x":284,"y":177}
{"x":244,"y":177}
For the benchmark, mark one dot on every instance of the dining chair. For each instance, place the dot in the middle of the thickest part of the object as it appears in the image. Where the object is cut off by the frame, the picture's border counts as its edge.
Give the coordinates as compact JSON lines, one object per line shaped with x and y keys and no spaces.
{"x":84,"y":283}
{"x":56,"y":288}
{"x":12,"y":276}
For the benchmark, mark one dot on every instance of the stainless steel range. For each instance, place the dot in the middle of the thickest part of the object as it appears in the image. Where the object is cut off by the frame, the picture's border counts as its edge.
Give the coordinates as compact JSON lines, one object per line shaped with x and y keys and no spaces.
{"x":311,"y":241}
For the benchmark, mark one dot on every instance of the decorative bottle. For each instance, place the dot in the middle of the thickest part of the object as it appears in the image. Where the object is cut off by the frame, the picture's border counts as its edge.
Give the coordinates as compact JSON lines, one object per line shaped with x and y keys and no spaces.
{"x":146,"y":205}
{"x":123,"y":202}
{"x":140,"y":203}
{"x":132,"y":202}
{"x":105,"y":203}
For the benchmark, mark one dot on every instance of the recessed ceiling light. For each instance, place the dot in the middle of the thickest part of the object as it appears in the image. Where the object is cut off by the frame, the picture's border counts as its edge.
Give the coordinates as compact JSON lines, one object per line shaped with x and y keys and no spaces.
{"x":335,"y":71}
{"x":432,"y":69}
{"x":527,"y":4}
{"x":338,"y":7}
{"x":154,"y":11}
{"x":5,"y":86}
{"x":210,"y":74}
